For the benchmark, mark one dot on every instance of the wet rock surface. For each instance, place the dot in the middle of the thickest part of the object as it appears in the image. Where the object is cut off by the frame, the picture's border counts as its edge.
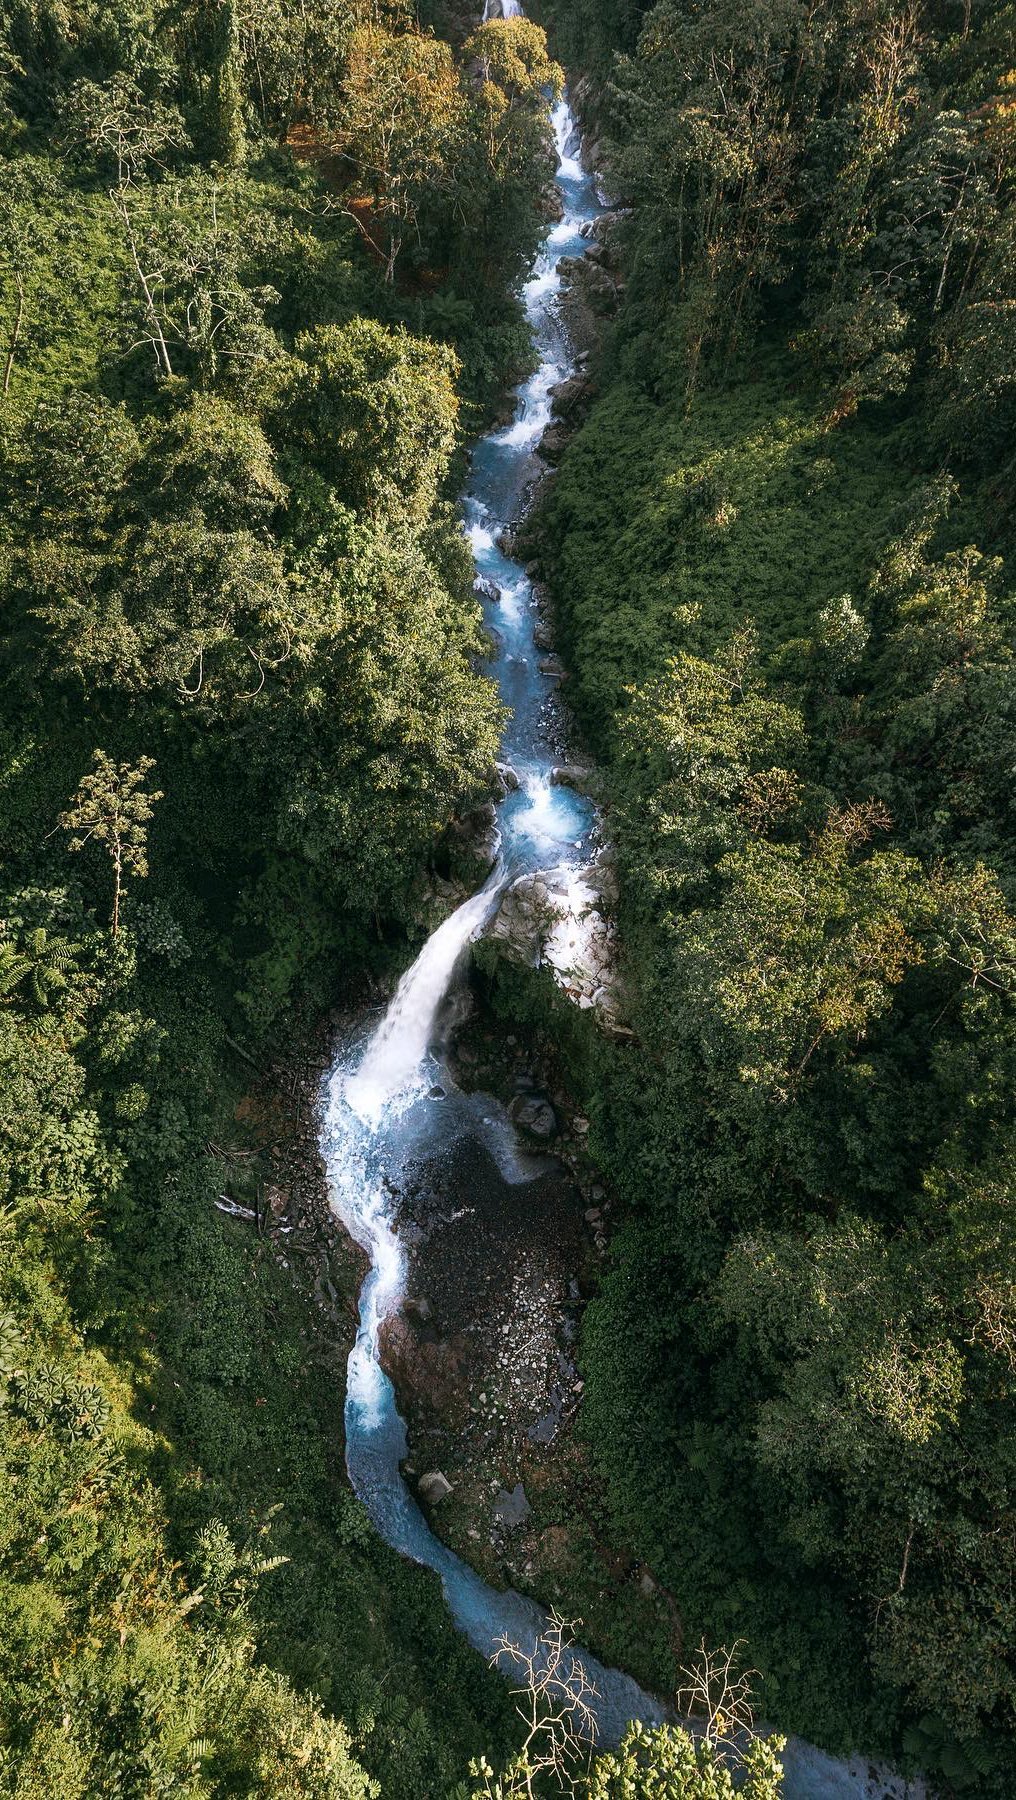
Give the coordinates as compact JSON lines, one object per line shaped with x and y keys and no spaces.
{"x":574,"y":775}
{"x":534,"y":1115}
{"x":496,"y":1262}
{"x":562,"y":920}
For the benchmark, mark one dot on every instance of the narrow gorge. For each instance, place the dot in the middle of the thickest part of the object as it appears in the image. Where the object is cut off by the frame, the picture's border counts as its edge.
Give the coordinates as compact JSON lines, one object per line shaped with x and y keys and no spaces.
{"x":507,"y":899}
{"x":392,"y":1111}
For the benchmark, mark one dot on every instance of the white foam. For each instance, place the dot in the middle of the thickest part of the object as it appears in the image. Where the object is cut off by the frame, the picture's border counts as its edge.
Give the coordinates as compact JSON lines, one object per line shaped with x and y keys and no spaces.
{"x":392,"y":1069}
{"x":480,"y":537}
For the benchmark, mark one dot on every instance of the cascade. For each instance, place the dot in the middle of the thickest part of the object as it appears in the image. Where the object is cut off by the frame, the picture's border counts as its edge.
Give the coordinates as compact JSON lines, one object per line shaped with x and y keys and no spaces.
{"x":386,"y":1099}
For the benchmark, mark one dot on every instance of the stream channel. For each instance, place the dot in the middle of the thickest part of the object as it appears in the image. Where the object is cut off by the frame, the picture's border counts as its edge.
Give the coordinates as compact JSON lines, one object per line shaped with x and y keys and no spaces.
{"x":390,"y":1105}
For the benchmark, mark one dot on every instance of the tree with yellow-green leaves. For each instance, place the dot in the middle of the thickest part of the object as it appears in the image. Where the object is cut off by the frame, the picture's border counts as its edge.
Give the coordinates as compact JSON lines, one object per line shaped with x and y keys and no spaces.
{"x":403,"y":109}
{"x":112,"y":806}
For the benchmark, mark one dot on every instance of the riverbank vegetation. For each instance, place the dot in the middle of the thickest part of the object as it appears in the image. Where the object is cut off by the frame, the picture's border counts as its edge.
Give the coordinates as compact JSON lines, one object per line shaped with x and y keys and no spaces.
{"x":780,"y":555}
{"x":255,"y":274}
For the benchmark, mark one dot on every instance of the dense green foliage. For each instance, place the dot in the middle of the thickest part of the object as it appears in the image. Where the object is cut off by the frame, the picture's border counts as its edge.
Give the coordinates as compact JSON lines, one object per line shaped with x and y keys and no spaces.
{"x":777,"y":552}
{"x":663,"y":1762}
{"x":237,"y":359}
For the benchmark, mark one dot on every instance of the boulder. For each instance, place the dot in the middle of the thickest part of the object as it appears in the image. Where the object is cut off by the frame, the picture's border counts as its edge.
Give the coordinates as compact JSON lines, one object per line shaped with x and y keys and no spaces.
{"x":434,"y":1487}
{"x":572,"y":775}
{"x":428,"y":1369}
{"x":600,"y":289}
{"x":572,"y":398}
{"x":487,"y":589}
{"x":534,"y":1115}
{"x":560,"y":920}
{"x":554,"y":441}
{"x":602,"y":254}
{"x":478,"y":831}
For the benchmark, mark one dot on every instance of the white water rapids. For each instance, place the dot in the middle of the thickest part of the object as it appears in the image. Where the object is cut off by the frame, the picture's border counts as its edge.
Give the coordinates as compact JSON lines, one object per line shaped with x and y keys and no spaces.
{"x":389,"y":1100}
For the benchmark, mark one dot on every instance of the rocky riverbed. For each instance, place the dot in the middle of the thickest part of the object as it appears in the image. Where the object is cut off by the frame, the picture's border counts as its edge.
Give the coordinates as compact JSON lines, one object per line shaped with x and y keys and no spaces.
{"x":483,"y":1357}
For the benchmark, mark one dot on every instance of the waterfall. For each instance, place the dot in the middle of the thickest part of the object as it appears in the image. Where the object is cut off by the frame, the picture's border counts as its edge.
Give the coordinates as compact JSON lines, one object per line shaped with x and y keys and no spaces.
{"x":392,"y":1068}
{"x":388,"y":1097}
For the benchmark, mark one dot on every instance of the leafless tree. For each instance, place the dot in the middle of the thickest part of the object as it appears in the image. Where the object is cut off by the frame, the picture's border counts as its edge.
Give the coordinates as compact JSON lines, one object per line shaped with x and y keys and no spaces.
{"x":717,"y":1696}
{"x":555,"y":1701}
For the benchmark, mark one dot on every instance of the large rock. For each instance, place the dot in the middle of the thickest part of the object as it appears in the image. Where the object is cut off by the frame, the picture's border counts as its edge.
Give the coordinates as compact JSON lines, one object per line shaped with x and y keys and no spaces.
{"x":600,"y":289}
{"x":572,"y":775}
{"x":572,"y":398}
{"x":554,"y":441}
{"x":428,"y":1369}
{"x":434,"y":1487}
{"x":534,"y":1115}
{"x":601,"y":254}
{"x":479,"y":831}
{"x":552,"y":665}
{"x":561,"y":920}
{"x":604,"y":227}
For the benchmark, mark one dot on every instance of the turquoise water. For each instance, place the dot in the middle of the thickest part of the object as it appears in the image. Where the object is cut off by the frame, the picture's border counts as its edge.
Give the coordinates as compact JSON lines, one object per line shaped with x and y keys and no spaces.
{"x":380,"y":1113}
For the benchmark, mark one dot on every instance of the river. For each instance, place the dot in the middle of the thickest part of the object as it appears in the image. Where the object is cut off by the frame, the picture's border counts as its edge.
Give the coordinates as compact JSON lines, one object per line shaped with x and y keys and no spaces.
{"x":390,"y":1101}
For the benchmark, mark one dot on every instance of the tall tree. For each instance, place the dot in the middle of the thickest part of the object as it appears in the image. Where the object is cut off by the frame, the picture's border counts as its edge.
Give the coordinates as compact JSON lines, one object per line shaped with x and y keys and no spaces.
{"x":112,"y":806}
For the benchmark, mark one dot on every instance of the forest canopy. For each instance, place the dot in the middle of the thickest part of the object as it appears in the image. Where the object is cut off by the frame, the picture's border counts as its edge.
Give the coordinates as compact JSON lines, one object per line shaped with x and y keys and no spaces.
{"x":245,"y":331}
{"x":780,"y":551}
{"x":258,"y":273}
